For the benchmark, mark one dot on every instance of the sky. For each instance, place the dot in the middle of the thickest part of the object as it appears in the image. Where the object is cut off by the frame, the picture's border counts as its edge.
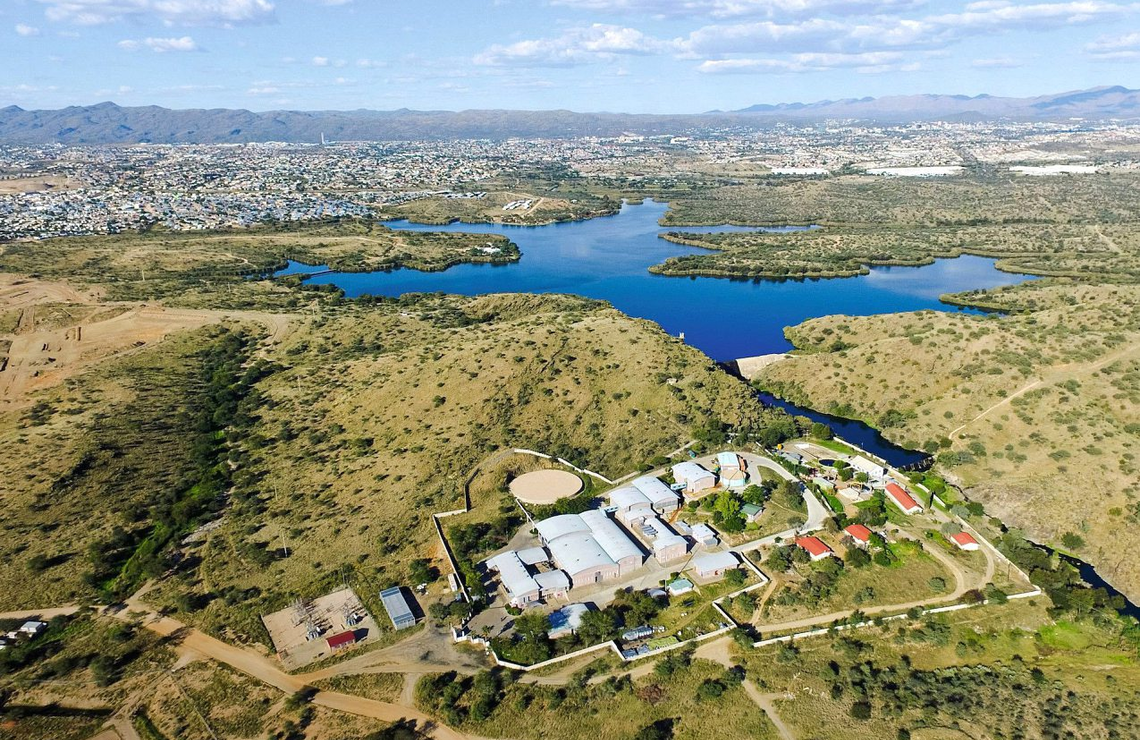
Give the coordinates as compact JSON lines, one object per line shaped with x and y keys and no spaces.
{"x":657,"y":56}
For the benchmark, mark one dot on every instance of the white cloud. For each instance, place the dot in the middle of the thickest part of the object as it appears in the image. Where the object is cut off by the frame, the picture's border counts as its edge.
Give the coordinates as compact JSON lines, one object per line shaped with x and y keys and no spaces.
{"x":320,"y":61}
{"x":764,"y":37}
{"x":996,"y":63}
{"x":594,"y":43}
{"x":885,"y":32}
{"x":170,"y":12}
{"x":877,"y":61}
{"x":1124,"y":55}
{"x":1112,"y":44}
{"x":160,"y":45}
{"x":25,"y":30}
{"x":264,"y":90}
{"x":741,"y":8}
{"x":371,"y":63}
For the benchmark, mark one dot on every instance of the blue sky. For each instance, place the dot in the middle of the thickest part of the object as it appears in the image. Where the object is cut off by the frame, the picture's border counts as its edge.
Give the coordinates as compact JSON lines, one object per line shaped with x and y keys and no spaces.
{"x":587,"y":55}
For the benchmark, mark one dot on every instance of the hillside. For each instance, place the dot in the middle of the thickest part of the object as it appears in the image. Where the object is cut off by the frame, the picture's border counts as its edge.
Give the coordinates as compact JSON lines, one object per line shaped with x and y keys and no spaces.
{"x":106,"y":123}
{"x":176,"y":265}
{"x":344,"y":426}
{"x":1116,"y":102}
{"x":1035,"y":414}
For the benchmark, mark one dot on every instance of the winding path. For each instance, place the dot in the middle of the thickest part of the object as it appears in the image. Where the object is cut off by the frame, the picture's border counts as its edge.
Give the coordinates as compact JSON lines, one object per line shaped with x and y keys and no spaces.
{"x":262,"y":668}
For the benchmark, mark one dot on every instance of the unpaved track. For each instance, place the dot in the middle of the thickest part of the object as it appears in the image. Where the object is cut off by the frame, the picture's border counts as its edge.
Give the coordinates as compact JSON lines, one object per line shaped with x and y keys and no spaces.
{"x":962,"y":585}
{"x":765,"y":702}
{"x":406,"y":656}
{"x":720,"y":651}
{"x":263,"y":669}
{"x":44,"y":614}
{"x":1052,"y":375}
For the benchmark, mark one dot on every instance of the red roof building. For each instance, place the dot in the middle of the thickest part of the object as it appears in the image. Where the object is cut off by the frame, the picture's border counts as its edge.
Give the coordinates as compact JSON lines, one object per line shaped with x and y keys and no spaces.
{"x":815,"y":547}
{"x":859,"y":533}
{"x":897,"y":495}
{"x":344,"y":639}
{"x":964,"y":541}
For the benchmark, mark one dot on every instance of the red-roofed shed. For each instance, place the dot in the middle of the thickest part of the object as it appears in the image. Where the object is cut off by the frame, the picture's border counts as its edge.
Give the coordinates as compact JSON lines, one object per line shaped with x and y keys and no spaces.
{"x":897,"y":495}
{"x":344,"y":639}
{"x":964,"y":541}
{"x":859,"y":533}
{"x":815,"y":547}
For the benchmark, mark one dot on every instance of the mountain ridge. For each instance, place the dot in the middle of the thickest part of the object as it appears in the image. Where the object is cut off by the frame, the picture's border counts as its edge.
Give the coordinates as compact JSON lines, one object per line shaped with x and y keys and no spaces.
{"x":108,"y":123}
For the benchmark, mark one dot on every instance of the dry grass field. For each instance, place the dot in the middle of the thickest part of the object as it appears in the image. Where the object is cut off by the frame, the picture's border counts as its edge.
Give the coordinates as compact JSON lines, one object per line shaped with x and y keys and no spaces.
{"x":1080,"y":250}
{"x":545,"y":207}
{"x":982,"y":198}
{"x":1036,"y":413}
{"x":378,"y":416}
{"x":160,"y":264}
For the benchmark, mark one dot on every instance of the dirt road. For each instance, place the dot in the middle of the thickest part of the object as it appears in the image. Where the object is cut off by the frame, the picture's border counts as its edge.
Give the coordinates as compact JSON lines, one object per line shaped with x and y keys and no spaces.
{"x":765,"y":702}
{"x":43,"y":614}
{"x":962,"y":585}
{"x":264,"y":670}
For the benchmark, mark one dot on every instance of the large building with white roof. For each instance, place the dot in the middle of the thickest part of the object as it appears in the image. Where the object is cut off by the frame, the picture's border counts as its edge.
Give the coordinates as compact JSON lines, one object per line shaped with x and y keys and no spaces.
{"x":668,"y":546}
{"x":662,"y":498}
{"x":630,"y":505}
{"x":590,"y":547}
{"x":693,"y":476}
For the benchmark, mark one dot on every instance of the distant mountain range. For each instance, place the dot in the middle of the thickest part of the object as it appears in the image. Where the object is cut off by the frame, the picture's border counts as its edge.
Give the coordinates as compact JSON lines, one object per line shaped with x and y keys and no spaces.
{"x":1095,"y":103}
{"x":107,"y":123}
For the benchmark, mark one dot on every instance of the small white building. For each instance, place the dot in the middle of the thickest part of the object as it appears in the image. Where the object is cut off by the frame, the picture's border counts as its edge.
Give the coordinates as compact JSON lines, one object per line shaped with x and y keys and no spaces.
{"x":32,"y":628}
{"x":733,"y":470}
{"x":667,"y":545}
{"x":694,"y":477}
{"x":553,"y":584}
{"x":520,"y":587}
{"x":713,"y":564}
{"x":704,"y":535}
{"x":874,"y":470}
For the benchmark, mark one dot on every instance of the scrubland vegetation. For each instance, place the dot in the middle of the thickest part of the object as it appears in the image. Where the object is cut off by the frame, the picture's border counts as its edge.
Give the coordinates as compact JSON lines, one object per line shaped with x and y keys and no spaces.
{"x":1036,"y":413}
{"x":677,"y":699}
{"x":169,"y":265}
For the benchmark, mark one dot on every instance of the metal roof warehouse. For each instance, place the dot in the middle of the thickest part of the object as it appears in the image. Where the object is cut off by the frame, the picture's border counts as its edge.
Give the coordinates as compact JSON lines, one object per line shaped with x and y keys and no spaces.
{"x":397,"y":607}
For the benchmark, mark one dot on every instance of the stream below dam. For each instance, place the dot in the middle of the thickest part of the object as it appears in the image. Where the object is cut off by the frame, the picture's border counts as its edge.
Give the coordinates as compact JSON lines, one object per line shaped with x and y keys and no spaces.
{"x":607,"y":258}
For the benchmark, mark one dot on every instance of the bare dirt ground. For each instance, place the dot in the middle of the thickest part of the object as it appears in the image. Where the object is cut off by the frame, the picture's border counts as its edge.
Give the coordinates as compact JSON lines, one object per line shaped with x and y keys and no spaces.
{"x":61,"y":332}
{"x":36,"y":184}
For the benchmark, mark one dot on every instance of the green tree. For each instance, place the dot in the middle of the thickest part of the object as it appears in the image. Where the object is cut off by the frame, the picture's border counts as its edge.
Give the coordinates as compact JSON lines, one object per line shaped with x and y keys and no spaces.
{"x":598,"y":626}
{"x":1072,"y":541}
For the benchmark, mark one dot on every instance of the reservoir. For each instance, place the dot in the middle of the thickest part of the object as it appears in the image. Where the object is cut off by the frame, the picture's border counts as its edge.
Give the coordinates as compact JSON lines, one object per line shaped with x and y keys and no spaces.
{"x":608,"y":258}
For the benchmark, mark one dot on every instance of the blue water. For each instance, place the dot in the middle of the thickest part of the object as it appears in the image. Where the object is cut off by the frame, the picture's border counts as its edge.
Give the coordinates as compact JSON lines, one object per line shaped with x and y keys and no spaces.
{"x":608,"y":258}
{"x":300,"y":268}
{"x":856,"y":432}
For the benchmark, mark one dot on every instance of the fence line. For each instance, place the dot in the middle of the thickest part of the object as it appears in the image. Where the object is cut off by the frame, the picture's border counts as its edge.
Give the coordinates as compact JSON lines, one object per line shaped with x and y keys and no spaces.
{"x":893,"y":617}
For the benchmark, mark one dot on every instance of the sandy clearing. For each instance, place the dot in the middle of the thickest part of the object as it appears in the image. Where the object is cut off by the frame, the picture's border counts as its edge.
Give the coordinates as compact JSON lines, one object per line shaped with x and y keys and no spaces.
{"x":41,"y":356}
